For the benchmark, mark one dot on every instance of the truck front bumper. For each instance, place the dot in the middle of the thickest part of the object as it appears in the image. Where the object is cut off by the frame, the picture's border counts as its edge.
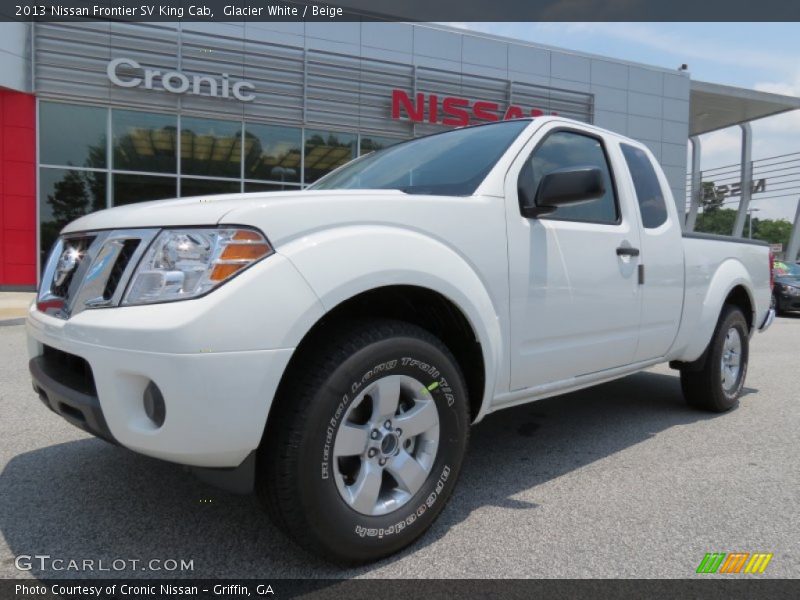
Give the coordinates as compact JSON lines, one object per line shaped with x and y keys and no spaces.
{"x":216,"y":404}
{"x":217,"y":362}
{"x":77,"y":404}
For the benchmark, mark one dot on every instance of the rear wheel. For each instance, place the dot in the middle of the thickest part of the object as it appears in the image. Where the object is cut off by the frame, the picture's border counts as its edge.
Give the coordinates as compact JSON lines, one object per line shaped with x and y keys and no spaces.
{"x":718,"y":384}
{"x":365,"y":441}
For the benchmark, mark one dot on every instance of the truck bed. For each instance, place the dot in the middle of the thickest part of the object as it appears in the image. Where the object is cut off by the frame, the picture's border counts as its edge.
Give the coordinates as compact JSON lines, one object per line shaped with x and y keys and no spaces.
{"x":713,"y":266}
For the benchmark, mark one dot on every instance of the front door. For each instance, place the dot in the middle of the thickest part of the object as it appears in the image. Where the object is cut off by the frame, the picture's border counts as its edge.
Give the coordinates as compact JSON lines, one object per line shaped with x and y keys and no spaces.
{"x":575,"y":300}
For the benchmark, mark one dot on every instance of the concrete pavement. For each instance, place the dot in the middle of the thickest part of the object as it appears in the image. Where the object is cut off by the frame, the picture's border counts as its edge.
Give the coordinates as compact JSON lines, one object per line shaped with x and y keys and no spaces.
{"x":14,"y":306}
{"x":623,"y":480}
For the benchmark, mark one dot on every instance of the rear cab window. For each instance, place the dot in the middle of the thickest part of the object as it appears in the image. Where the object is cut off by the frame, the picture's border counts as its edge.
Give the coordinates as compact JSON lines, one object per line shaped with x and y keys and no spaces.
{"x":649,"y":193}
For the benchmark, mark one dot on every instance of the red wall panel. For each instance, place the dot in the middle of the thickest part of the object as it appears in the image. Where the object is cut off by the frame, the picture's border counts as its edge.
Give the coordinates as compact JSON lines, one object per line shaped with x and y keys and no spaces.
{"x":17,"y":188}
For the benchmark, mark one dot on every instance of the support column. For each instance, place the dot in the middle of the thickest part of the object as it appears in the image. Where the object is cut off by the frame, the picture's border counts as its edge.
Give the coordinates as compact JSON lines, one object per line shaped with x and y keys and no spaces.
{"x":794,"y":239}
{"x":745,"y":180}
{"x":696,"y":184}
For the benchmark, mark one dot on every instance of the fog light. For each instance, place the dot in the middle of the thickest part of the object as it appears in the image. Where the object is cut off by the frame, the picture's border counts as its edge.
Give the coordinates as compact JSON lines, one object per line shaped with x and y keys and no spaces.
{"x":154,"y":405}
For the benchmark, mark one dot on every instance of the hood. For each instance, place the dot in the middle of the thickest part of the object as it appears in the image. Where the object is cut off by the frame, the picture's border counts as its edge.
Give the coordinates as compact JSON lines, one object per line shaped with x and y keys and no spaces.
{"x":193,"y":211}
{"x":286,"y":216}
{"x":788,"y":280}
{"x":204,"y":210}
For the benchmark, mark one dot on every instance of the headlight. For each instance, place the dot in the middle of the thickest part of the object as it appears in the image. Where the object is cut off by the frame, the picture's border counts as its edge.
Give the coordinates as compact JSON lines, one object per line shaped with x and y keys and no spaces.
{"x":790,"y":290}
{"x":186,"y":263}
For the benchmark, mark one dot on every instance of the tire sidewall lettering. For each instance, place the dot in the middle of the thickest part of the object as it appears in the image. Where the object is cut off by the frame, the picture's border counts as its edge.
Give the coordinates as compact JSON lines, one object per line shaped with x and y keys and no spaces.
{"x":419,"y":510}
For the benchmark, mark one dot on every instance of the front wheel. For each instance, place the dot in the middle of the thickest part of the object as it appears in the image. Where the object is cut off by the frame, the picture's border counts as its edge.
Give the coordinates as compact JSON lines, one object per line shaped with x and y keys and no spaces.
{"x":718,"y":385}
{"x":366,"y":441}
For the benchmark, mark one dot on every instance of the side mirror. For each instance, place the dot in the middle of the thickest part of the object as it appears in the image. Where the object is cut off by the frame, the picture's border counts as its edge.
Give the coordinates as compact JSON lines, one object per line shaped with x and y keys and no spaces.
{"x":565,"y":186}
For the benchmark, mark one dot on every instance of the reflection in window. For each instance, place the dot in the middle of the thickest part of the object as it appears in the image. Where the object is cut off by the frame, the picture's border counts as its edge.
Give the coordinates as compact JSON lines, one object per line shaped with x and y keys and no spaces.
{"x":144,"y":141}
{"x":257,"y":186}
{"x":204,"y":187}
{"x":129,"y":189}
{"x":374,"y":143}
{"x":65,"y":195}
{"x":450,"y":163}
{"x":326,"y":151}
{"x":272,"y":152}
{"x":564,"y":150}
{"x":211,"y":147}
{"x":72,"y":135}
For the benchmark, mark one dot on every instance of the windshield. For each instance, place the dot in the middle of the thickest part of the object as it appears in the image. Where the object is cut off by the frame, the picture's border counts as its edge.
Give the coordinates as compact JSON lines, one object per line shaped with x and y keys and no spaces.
{"x":451,"y":163}
{"x":787,"y":270}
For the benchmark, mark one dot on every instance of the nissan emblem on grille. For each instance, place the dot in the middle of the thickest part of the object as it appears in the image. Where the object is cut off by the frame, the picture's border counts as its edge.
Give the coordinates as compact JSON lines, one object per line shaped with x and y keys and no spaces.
{"x":67,"y":263}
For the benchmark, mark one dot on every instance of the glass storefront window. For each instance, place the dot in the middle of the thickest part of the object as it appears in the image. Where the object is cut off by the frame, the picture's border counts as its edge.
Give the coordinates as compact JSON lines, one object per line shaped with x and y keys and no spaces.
{"x":129,"y":189}
{"x":374,"y":143}
{"x":144,"y":141}
{"x":258,"y":186}
{"x":204,"y":187}
{"x":326,"y":150}
{"x":72,"y":135}
{"x":65,"y":195}
{"x":211,"y":147}
{"x":272,"y":152}
{"x":144,"y":154}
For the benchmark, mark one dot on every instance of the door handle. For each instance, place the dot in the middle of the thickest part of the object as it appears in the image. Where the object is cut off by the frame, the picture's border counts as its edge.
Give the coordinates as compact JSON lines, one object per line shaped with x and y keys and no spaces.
{"x":627,"y":251}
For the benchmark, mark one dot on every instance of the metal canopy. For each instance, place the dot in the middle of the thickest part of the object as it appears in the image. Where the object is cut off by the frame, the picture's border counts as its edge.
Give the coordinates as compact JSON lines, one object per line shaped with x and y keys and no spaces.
{"x":714,"y":106}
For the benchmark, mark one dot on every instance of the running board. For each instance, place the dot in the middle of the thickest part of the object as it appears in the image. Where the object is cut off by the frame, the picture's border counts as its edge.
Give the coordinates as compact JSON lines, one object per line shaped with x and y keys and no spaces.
{"x":556,"y":388}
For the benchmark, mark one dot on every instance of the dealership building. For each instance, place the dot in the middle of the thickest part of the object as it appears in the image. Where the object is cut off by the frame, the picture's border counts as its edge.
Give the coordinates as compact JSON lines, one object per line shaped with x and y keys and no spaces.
{"x":99,"y":114}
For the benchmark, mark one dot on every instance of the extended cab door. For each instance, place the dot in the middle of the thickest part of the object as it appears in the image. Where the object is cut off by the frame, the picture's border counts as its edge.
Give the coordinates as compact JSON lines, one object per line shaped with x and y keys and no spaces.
{"x":661,"y":255}
{"x":574,"y":294}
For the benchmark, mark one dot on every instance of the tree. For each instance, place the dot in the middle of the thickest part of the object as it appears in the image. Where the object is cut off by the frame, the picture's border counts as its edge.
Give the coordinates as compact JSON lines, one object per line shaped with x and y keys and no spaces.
{"x":711,"y":198}
{"x":716,"y":220}
{"x":70,"y":199}
{"x":772,"y":231}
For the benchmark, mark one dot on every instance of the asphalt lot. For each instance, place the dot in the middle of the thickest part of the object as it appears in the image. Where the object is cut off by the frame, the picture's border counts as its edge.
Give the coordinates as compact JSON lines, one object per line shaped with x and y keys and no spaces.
{"x":622,"y":480}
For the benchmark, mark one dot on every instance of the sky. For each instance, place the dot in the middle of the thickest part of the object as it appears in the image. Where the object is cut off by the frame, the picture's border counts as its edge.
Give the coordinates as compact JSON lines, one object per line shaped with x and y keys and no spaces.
{"x":761,"y":56}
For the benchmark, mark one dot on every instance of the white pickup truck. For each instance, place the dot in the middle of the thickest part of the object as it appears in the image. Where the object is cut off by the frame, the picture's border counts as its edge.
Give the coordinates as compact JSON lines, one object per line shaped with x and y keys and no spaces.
{"x":334,"y":345}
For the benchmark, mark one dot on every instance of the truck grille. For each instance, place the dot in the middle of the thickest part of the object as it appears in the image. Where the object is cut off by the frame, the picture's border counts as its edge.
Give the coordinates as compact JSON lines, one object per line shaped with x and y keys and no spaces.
{"x":90,"y":270}
{"x":77,"y":246}
{"x":118,"y":270}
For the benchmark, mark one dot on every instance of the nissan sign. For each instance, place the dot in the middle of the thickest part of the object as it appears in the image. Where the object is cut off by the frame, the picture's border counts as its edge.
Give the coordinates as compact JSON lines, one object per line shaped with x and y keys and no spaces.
{"x":452,"y":110}
{"x":176,"y":82}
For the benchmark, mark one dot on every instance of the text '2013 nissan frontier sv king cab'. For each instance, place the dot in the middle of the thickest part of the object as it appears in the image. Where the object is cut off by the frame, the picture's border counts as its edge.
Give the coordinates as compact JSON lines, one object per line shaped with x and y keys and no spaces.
{"x":334,"y":345}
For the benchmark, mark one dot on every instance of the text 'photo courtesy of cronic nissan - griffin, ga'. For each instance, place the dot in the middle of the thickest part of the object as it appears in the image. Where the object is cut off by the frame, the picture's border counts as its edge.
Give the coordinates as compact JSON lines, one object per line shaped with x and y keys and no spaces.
{"x":357,"y":329}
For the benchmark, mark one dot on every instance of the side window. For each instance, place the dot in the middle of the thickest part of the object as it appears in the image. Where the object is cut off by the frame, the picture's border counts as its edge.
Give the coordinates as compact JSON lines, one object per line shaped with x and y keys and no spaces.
{"x":565,"y":149}
{"x":648,"y":189}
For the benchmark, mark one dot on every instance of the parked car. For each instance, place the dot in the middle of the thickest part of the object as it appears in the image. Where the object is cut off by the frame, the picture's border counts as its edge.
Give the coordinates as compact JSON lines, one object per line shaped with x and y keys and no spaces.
{"x":786,"y":288}
{"x":334,"y":345}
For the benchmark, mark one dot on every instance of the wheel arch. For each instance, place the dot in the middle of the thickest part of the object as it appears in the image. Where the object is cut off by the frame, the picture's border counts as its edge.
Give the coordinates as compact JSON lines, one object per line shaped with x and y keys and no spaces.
{"x":741,"y":297}
{"x":730,"y":283}
{"x":421,"y":306}
{"x":341,"y":264}
{"x":738,"y":296}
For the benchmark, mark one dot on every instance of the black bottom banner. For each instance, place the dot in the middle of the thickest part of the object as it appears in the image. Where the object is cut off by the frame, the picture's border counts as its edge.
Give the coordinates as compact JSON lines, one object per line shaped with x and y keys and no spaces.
{"x":387,"y":589}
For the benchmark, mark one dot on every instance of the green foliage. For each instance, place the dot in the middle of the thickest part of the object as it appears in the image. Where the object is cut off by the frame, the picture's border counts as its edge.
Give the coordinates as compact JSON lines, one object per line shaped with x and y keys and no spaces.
{"x":719,"y":221}
{"x":772,"y":231}
{"x":712,"y":199}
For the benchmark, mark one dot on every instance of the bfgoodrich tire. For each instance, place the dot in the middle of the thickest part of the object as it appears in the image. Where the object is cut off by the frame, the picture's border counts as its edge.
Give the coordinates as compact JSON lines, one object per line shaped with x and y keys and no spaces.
{"x":718,"y":385}
{"x":365,"y":441}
